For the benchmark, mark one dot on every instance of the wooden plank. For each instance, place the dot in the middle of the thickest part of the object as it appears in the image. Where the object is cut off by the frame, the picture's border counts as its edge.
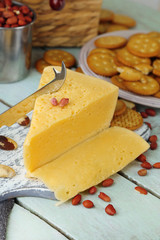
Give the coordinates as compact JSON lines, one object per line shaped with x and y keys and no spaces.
{"x":137,"y":215}
{"x":152,"y":180}
{"x":146,"y":17}
{"x":23,"y":225}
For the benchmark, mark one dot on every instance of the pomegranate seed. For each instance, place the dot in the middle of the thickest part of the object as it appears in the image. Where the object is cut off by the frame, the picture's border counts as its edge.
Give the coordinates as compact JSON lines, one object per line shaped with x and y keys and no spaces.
{"x":88,"y":204}
{"x":156,"y":165}
{"x":110,"y":210}
{"x":149,"y":125}
{"x":144,"y":115}
{"x":153,"y":138}
{"x":146,"y":165}
{"x":141,"y":158}
{"x":150,"y":112}
{"x":54,"y":102}
{"x":142,"y":172}
{"x":63,"y":102}
{"x":104,"y":197}
{"x":141,"y":190}
{"x":76,"y":200}
{"x":92,"y":190}
{"x":153,"y":145}
{"x":108,"y":182}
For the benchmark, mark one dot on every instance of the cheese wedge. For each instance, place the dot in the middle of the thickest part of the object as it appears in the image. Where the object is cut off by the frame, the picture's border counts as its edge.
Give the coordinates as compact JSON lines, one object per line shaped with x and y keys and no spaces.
{"x":91,"y":162}
{"x":54,"y":129}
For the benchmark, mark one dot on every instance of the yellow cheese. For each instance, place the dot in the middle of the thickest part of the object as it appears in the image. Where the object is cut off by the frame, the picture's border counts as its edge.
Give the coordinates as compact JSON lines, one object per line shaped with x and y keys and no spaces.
{"x":91,"y":162}
{"x":54,"y":130}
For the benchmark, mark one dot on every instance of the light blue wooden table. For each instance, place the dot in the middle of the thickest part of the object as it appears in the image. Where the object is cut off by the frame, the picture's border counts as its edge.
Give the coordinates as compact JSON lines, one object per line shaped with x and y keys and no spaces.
{"x":138,"y":216}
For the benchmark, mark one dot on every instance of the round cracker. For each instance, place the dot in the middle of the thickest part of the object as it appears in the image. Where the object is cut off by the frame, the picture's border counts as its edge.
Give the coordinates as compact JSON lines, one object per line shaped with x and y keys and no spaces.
{"x":143,"y":68}
{"x":156,"y":67}
{"x":102,"y":64}
{"x":124,"y":20}
{"x":157,"y":95}
{"x":116,"y":80}
{"x":41,"y":64}
{"x":56,"y":56}
{"x":110,"y":42}
{"x":116,"y":27}
{"x":102,"y":50}
{"x":120,"y":108}
{"x":106,"y":15}
{"x":129,"y":74}
{"x":102,"y":28}
{"x":146,"y":86}
{"x":143,"y":47}
{"x":130,"y":119}
{"x":128,"y":59}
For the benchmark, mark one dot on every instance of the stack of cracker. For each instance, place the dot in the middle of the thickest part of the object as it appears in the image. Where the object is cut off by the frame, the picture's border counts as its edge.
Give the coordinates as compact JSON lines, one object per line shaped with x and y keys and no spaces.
{"x":110,"y":21}
{"x":133,"y":64}
{"x":126,"y":116}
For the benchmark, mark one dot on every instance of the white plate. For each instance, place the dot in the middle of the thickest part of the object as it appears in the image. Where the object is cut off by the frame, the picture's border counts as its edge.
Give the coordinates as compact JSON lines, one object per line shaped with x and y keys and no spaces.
{"x":144,"y":100}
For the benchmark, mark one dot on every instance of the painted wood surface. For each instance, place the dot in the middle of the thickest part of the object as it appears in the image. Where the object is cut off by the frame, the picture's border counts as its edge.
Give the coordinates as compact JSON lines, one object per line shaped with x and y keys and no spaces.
{"x":137,"y":218}
{"x":23,"y":225}
{"x":3,"y":107}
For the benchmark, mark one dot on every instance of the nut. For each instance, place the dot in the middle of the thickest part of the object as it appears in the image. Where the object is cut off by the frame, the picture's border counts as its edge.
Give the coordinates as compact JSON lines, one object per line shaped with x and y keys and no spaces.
{"x":7,"y":143}
{"x":24,"y":121}
{"x":6,"y":172}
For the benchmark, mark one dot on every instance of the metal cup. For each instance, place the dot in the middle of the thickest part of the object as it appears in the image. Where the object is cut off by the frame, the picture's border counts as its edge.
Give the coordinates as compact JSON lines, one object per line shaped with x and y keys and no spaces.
{"x":15,"y":51}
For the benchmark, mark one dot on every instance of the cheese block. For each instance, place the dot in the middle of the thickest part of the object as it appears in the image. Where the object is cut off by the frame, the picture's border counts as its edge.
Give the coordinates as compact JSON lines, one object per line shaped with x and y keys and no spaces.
{"x":91,"y":162}
{"x":54,"y":129}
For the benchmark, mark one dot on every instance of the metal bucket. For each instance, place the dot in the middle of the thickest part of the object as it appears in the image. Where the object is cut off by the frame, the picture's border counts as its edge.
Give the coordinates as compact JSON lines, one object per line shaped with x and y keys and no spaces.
{"x":15,"y":51}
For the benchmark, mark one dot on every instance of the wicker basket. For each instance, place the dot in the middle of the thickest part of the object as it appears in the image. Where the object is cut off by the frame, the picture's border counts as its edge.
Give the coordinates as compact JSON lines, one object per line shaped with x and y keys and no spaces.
{"x":74,"y":25}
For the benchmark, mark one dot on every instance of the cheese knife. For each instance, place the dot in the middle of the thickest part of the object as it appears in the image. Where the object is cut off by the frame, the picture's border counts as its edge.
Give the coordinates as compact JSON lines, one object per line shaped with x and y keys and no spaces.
{"x":25,"y":106}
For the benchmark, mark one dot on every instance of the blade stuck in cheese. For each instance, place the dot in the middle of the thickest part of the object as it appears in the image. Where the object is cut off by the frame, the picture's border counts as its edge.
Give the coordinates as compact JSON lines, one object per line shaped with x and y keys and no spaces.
{"x":91,"y":162}
{"x":54,"y":130}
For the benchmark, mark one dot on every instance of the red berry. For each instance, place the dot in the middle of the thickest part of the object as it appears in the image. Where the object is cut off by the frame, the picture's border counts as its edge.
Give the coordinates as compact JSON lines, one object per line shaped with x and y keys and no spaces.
{"x":141,"y":190}
{"x":149,"y":125}
{"x":156,"y":165}
{"x":88,"y":204}
{"x":153,"y":138}
{"x":144,"y":115}
{"x":25,"y":10}
{"x":108,"y":182}
{"x":146,"y":165}
{"x":142,"y":172}
{"x":104,"y":197}
{"x":153,"y":145}
{"x":141,"y":158}
{"x":57,"y":4}
{"x":110,"y":210}
{"x":150,"y":112}
{"x":76,"y":200}
{"x":92,"y":190}
{"x":28,"y":19}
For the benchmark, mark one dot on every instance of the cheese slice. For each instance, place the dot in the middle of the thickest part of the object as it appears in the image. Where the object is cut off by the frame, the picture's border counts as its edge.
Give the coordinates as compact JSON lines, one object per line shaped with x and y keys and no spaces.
{"x":54,"y":130}
{"x":91,"y":162}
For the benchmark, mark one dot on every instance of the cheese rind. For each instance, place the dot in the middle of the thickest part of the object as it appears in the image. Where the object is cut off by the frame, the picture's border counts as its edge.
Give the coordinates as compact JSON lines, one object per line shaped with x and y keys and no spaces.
{"x":55,"y":130}
{"x":91,"y":162}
